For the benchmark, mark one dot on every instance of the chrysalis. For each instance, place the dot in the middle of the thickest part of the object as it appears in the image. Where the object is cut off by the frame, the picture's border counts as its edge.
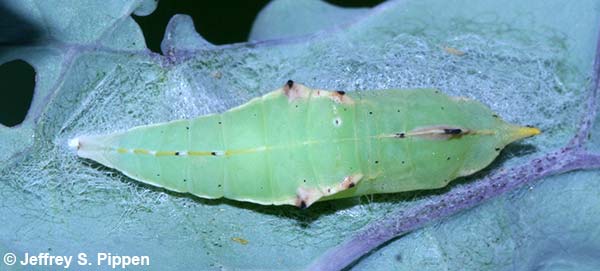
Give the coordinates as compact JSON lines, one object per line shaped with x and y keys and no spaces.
{"x":297,"y":146}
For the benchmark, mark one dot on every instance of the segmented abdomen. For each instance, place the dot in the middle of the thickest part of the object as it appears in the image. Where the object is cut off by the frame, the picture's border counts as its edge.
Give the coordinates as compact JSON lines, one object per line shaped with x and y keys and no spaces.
{"x":260,"y":152}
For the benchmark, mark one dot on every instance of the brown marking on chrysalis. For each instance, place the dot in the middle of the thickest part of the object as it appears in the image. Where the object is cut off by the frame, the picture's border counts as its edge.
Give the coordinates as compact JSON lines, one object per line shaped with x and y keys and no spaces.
{"x":340,"y":97}
{"x":350,"y":181}
{"x":305,"y":197}
{"x":439,"y":132}
{"x":295,"y":91}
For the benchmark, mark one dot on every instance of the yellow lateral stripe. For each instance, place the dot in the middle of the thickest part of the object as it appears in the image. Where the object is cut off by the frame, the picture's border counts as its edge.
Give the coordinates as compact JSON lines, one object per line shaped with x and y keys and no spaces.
{"x":140,"y":151}
{"x":226,"y":152}
{"x":199,"y":153}
{"x":164,"y":153}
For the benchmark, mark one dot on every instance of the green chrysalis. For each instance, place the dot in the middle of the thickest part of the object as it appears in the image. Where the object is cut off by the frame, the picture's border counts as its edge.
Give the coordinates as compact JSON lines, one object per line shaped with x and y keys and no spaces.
{"x":297,"y":146}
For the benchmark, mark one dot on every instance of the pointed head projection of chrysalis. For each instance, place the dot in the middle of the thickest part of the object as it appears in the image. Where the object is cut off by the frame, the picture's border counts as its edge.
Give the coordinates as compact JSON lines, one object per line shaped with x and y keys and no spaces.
{"x":514,"y":132}
{"x":483,"y":133}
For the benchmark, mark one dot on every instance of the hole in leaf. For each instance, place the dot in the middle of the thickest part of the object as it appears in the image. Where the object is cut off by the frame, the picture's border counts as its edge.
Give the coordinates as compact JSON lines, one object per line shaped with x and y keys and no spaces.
{"x":219,"y":22}
{"x":18,"y":79}
{"x":16,"y":28}
{"x":355,"y":3}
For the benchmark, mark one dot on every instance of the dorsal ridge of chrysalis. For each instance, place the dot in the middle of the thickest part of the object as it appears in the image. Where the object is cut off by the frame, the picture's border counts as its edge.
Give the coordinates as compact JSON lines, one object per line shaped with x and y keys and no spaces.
{"x":437,"y":132}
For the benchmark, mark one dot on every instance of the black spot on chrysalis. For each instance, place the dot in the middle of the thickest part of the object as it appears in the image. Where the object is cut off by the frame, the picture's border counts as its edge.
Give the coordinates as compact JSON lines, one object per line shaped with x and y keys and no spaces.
{"x":351,"y":185}
{"x":213,"y":153}
{"x":290,"y":83}
{"x":452,"y":131}
{"x":176,"y":153}
{"x":341,"y":92}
